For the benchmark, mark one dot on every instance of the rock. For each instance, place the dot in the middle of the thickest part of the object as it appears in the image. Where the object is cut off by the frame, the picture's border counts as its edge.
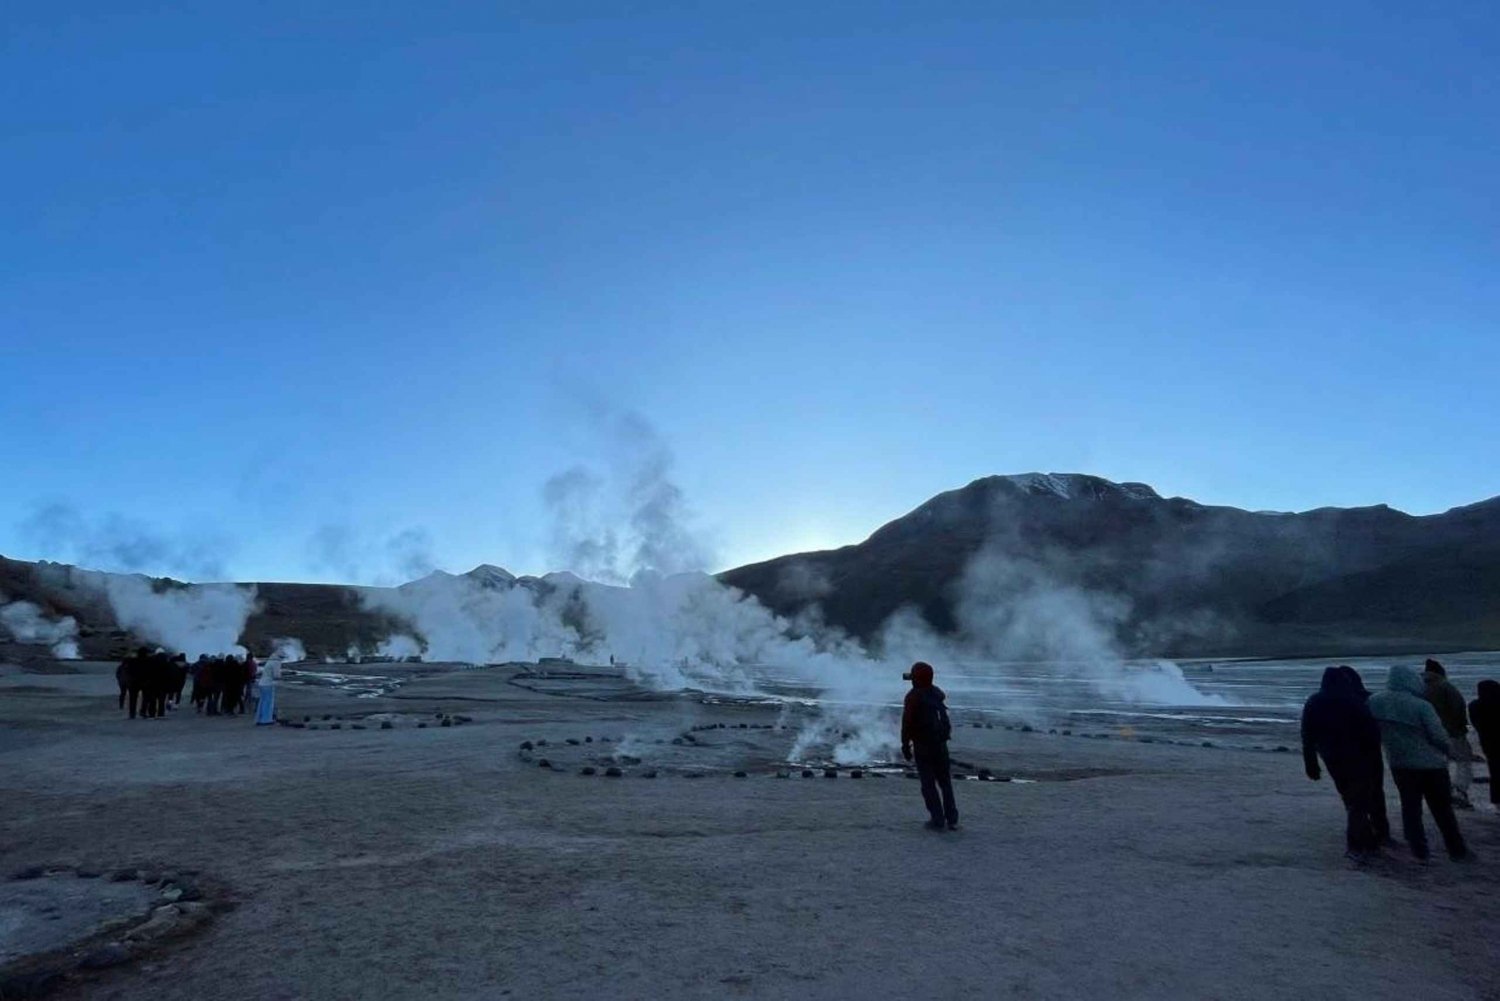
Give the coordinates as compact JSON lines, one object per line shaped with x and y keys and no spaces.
{"x":102,"y":958}
{"x":356,"y":726}
{"x":171,"y":895}
{"x":335,"y":726}
{"x":327,"y":717}
{"x":807,"y":773}
{"x":977,"y":726}
{"x":573,"y":741}
{"x":122,"y":875}
{"x":649,"y":775}
{"x":310,"y":726}
{"x":1053,"y":731}
{"x":783,"y":774}
{"x":544,"y":763}
{"x":830,"y":773}
{"x":541,"y":743}
{"x":984,"y":775}
{"x":856,"y":774}
{"x":612,"y":772}
{"x":30,"y":872}
{"x":1282,"y":749}
{"x":87,"y":873}
{"x":190,"y":891}
{"x":741,"y":775}
{"x":527,"y":745}
{"x":587,"y":770}
{"x":1027,"y":729}
{"x":1067,"y":733}
{"x":1208,"y":743}
{"x":421,"y":726}
{"x":438,"y":714}
{"x":447,"y":721}
{"x":693,"y":775}
{"x":307,"y":719}
{"x":678,"y":741}
{"x":588,"y":740}
{"x":387,"y":725}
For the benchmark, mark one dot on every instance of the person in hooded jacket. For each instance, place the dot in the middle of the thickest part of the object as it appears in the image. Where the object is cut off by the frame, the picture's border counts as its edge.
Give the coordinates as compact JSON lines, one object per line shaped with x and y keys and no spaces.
{"x":1484,"y":713}
{"x":1418,"y":749}
{"x":1379,"y":822}
{"x":924,"y":736}
{"x":1337,"y":727}
{"x":1449,"y":704}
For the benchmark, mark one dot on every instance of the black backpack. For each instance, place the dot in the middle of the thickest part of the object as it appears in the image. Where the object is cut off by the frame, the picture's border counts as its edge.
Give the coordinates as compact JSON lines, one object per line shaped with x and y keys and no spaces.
{"x":932,"y":717}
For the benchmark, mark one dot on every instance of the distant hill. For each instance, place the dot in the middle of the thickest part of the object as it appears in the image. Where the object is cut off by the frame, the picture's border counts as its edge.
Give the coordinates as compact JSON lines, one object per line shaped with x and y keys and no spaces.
{"x":1195,"y":579}
{"x":1176,"y":578}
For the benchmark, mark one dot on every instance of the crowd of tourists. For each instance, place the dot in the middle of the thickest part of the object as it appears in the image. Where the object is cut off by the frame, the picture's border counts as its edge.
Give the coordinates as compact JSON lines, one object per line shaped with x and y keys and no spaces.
{"x":152,"y":683}
{"x":1421,"y":722}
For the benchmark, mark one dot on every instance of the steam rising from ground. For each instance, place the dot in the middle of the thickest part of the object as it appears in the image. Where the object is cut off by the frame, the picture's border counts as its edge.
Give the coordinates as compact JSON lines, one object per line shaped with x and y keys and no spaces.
{"x":650,"y":608}
{"x":25,"y":622}
{"x":202,"y":619}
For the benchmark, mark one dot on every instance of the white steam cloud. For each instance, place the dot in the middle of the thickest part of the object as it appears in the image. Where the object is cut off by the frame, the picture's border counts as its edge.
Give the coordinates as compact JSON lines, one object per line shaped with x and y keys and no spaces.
{"x":202,"y":619}
{"x":26,"y":623}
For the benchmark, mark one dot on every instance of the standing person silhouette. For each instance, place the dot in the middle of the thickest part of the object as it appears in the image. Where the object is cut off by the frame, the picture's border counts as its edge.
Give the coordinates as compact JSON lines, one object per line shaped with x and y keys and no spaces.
{"x":924,"y":737}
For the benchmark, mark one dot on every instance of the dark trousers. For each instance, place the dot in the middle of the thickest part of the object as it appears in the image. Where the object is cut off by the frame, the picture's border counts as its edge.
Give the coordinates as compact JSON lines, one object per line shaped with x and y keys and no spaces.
{"x":937,"y":777}
{"x":1364,"y":804}
{"x":1432,"y":785}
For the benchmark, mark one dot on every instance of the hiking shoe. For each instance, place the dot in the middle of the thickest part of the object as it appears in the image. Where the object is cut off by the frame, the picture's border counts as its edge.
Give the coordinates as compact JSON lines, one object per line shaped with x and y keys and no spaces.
{"x":953,"y":825}
{"x":933,"y":825}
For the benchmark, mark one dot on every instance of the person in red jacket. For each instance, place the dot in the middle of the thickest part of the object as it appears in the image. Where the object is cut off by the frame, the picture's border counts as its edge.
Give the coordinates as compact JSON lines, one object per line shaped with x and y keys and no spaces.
{"x":924,"y":737}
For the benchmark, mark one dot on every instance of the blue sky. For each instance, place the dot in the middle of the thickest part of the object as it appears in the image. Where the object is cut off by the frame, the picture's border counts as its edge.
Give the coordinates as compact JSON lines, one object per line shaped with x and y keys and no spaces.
{"x":281,"y":272}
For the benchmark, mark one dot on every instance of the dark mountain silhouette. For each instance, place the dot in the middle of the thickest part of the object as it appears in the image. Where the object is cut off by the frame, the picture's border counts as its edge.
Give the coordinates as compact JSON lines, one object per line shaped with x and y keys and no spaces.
{"x":1191,"y":579}
{"x":1176,"y":578}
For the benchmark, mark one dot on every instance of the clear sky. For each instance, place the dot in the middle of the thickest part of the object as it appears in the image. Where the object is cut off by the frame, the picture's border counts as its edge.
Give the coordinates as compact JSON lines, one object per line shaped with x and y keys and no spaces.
{"x":280,"y":282}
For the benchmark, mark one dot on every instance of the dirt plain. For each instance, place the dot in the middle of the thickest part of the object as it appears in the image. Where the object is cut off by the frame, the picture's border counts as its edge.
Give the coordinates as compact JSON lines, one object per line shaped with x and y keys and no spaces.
{"x":443,"y":861}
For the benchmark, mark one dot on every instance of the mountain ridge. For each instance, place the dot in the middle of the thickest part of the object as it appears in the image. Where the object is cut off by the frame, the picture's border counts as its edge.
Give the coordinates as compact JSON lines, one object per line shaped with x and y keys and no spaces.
{"x":1194,"y":579}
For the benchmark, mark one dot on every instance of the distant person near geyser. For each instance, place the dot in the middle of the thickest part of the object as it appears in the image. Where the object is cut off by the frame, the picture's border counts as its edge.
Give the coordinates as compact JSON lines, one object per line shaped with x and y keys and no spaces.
{"x":924,"y":736}
{"x":1418,"y":748}
{"x":1337,"y":726}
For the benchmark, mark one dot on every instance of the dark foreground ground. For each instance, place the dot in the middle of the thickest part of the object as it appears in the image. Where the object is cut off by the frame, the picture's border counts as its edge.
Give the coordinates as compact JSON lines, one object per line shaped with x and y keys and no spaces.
{"x":441,"y":863}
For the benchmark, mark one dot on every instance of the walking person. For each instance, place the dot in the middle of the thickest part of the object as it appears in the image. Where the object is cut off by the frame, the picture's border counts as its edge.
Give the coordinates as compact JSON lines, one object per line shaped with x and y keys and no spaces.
{"x":924,"y":737}
{"x":1418,"y":748}
{"x":1449,"y":704}
{"x":1484,"y":713}
{"x":1337,"y":727}
{"x":1379,"y":822}
{"x":270,"y":674}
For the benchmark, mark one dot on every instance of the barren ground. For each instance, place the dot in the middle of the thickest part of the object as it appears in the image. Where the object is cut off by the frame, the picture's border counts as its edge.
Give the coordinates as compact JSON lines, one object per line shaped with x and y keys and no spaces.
{"x":440,"y":863}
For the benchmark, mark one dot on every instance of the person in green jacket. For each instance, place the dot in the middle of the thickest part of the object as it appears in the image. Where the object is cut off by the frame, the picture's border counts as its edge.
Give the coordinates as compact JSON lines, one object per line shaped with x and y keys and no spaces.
{"x":1449,"y":703}
{"x":1418,"y":748}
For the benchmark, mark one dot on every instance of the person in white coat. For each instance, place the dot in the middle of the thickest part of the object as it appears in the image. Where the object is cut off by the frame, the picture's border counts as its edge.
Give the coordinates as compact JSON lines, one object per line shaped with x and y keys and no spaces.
{"x":270,"y":677}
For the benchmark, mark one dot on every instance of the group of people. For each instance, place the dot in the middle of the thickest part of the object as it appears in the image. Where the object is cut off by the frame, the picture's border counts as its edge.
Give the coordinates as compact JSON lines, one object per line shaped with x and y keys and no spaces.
{"x":1421,"y":723}
{"x":152,"y":682}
